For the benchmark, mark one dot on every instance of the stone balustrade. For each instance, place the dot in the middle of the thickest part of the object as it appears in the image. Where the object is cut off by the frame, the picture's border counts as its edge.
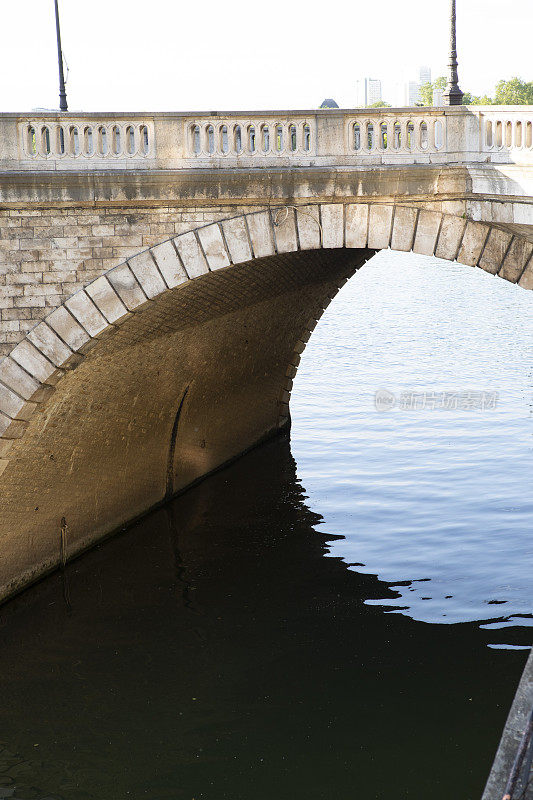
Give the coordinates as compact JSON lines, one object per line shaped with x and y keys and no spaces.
{"x":502,"y":131}
{"x":259,"y":136}
{"x":75,"y":141}
{"x":81,"y":139}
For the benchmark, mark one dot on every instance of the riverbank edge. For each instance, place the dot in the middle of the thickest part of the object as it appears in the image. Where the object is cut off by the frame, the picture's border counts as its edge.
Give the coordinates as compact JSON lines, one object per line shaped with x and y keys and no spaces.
{"x":511,"y":737}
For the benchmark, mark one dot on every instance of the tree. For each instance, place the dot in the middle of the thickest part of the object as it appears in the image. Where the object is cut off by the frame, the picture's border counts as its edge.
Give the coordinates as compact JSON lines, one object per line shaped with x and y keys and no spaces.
{"x":514,"y":92}
{"x":426,"y":94}
{"x":427,"y":89}
{"x":475,"y":100}
{"x":380,"y":104}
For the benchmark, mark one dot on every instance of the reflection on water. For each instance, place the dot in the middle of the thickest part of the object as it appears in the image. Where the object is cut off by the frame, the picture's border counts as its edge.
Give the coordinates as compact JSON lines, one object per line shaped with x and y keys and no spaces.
{"x":214,"y":652}
{"x":436,"y":500}
{"x":250,"y":642}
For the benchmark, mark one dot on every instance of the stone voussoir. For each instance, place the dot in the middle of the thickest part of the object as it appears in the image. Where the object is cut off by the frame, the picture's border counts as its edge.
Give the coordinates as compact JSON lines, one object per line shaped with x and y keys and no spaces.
{"x":29,"y":374}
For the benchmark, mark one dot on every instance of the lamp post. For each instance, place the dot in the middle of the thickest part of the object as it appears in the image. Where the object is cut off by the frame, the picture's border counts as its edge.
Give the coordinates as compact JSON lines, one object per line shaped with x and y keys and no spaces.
{"x":453,"y":96}
{"x":62,"y":93}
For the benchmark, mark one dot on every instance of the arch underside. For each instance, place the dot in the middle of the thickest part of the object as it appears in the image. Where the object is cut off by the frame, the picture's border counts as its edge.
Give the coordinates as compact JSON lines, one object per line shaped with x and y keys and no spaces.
{"x":182,"y":359}
{"x":180,"y":389}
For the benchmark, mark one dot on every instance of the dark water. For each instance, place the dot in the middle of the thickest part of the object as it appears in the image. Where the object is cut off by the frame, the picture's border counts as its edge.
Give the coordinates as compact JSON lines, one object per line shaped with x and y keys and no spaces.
{"x":423,"y":491}
{"x":266,"y":636}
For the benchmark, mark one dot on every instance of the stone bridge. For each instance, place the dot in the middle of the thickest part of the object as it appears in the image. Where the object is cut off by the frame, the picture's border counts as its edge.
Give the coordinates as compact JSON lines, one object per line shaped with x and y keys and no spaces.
{"x":161,"y":274}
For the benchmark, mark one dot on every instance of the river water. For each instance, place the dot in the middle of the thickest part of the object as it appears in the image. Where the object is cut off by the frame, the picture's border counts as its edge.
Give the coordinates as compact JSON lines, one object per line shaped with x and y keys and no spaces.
{"x":342,"y":615}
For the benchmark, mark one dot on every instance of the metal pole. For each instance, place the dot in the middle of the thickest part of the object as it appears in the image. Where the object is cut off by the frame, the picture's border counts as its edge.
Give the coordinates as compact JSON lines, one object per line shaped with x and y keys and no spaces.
{"x":453,"y":96}
{"x":62,"y":93}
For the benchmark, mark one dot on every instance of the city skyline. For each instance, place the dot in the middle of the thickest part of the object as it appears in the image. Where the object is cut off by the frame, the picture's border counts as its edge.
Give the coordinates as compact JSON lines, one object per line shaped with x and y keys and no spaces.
{"x":143,"y":64}
{"x":369,"y":91}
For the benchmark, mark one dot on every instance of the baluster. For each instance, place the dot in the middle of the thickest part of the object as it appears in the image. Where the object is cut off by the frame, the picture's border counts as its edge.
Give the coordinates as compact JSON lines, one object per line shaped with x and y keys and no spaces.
{"x":136,"y":137}
{"x":253,"y":133}
{"x":299,"y":126}
{"x":219,"y":150}
{"x":403,"y":128}
{"x":147,"y":139}
{"x":40,"y":140}
{"x":432,"y":135}
{"x":284,"y":138}
{"x":109,"y":137}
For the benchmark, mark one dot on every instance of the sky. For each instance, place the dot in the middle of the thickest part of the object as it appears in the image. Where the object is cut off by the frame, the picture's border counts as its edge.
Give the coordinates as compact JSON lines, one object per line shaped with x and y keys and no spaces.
{"x":165,"y":55}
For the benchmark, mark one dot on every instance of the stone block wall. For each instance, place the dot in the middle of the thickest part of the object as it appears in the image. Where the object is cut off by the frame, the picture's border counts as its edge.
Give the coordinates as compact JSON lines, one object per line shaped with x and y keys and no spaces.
{"x":48,"y":254}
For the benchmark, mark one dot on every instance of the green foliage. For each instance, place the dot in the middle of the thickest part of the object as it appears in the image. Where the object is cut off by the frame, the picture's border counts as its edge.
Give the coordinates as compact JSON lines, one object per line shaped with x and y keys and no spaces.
{"x":426,"y":90}
{"x":514,"y":92}
{"x":475,"y":100}
{"x":380,"y":104}
{"x":426,"y":94}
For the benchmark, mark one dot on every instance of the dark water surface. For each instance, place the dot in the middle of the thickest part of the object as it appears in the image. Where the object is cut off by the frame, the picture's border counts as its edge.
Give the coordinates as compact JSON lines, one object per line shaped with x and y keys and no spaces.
{"x":265,"y":636}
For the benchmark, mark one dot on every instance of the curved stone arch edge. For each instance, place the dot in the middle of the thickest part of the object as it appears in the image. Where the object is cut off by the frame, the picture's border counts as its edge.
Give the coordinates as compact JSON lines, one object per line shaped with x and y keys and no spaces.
{"x":31,"y":371}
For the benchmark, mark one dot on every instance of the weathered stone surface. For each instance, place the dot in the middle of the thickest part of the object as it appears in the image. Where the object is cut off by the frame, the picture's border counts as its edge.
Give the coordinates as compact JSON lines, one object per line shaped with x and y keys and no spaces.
{"x":67,"y":328}
{"x":285,"y":231}
{"x":85,"y":311}
{"x":332,"y":217}
{"x":427,"y":231}
{"x":11,"y":428}
{"x":127,"y":287}
{"x":35,"y":363}
{"x":236,"y":234}
{"x":144,"y":268}
{"x":10,"y":403}
{"x":191,"y":255}
{"x":5,"y":447}
{"x":495,"y":249}
{"x":516,"y":259}
{"x":309,"y":230}
{"x":473,"y":242}
{"x":107,"y":300}
{"x":357,"y":225}
{"x":213,"y":246}
{"x":45,"y":340}
{"x":379,"y":226}
{"x":526,"y":281}
{"x":261,"y":237}
{"x":17,"y":379}
{"x":169,"y":264}
{"x":450,"y":236}
{"x":403,"y":229}
{"x":52,"y":252}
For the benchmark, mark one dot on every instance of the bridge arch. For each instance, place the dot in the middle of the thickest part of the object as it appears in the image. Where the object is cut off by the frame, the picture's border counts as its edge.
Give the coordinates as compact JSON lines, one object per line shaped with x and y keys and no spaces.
{"x":181,"y":358}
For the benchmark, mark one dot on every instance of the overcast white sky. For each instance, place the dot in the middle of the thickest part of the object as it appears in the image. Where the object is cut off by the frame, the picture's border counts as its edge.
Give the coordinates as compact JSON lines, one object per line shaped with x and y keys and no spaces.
{"x":214,"y":54}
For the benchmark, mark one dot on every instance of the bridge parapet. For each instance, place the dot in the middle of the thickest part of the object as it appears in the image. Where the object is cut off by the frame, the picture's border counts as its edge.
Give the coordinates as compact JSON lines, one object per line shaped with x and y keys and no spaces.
{"x":356,"y":137}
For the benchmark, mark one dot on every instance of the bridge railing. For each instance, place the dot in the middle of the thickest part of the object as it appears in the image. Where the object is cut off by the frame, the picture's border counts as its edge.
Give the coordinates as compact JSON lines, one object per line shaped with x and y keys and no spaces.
{"x":83,"y":139}
{"x":359,"y":137}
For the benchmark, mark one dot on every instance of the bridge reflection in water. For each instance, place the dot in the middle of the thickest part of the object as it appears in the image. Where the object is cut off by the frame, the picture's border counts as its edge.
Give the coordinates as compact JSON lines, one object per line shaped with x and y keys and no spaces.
{"x":215,"y":652}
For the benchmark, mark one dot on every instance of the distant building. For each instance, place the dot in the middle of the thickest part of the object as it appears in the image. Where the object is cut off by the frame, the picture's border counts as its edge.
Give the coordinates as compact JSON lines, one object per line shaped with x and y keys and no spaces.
{"x":412,"y":89}
{"x":425,"y":75}
{"x":328,"y":103}
{"x":413,"y":93}
{"x":367,"y":92}
{"x":437,"y":97}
